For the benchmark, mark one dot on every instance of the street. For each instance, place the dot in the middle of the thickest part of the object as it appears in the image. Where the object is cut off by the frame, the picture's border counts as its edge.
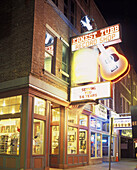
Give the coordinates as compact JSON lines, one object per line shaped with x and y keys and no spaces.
{"x":124,"y":164}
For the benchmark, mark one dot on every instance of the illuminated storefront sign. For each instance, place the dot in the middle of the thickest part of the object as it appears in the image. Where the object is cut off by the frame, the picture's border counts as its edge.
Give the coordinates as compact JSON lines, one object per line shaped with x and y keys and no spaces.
{"x":107,"y":36}
{"x":100,"y":111}
{"x":122,"y":123}
{"x":91,"y":92}
{"x":84,"y":66}
{"x":113,"y":66}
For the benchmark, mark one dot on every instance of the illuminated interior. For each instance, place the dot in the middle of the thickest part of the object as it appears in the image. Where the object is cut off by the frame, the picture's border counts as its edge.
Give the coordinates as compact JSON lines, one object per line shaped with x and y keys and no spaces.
{"x":10,"y":105}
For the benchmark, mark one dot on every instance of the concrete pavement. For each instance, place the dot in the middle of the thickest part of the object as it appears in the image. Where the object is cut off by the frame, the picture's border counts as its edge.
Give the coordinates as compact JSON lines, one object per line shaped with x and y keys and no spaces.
{"x":124,"y":164}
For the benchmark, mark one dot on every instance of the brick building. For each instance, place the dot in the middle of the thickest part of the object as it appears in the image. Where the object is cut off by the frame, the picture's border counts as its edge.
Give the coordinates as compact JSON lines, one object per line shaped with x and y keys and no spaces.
{"x":37,"y":130}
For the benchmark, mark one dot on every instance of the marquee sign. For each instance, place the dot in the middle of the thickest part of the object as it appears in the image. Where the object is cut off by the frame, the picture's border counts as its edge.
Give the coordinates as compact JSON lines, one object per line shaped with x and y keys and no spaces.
{"x":122,"y":123}
{"x":107,"y":36}
{"x":91,"y":92}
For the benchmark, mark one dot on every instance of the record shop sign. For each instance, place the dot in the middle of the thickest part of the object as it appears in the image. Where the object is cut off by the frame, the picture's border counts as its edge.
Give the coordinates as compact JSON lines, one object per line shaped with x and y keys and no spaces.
{"x":107,"y":36}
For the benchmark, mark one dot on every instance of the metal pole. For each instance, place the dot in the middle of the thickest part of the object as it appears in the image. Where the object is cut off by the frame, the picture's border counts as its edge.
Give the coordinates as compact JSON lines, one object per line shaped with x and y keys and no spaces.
{"x":111,"y":129}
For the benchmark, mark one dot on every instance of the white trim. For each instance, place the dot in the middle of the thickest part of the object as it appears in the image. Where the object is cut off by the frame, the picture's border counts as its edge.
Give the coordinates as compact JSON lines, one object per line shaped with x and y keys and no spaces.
{"x":56,"y":34}
{"x":53,"y":95}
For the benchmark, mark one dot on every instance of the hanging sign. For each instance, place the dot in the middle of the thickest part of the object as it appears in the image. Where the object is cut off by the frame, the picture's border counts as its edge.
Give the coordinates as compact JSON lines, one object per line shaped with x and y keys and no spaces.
{"x":107,"y":36}
{"x":123,"y":123}
{"x":91,"y":92}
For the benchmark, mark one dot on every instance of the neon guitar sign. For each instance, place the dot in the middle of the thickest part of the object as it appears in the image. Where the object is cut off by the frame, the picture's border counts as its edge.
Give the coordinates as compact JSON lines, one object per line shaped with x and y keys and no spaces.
{"x":113,"y":66}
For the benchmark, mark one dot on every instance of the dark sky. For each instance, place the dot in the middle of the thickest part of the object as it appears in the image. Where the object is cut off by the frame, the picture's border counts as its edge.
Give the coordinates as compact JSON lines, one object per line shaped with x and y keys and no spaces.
{"x":125,"y":13}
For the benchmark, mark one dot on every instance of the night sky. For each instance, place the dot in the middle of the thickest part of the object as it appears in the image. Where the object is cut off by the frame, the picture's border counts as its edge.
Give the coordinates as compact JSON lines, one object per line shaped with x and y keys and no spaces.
{"x":125,"y":13}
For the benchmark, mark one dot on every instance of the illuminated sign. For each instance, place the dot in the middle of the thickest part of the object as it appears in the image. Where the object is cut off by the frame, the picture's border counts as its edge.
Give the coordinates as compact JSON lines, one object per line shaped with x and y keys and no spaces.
{"x":113,"y":66}
{"x":84,"y":66}
{"x":100,"y":111}
{"x":86,"y":22}
{"x":107,"y":36}
{"x":122,"y":123}
{"x":91,"y":92}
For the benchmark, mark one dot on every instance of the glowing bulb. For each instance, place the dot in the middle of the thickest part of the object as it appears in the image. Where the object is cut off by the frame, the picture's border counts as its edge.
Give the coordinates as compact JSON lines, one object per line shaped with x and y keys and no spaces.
{"x":4,"y":103}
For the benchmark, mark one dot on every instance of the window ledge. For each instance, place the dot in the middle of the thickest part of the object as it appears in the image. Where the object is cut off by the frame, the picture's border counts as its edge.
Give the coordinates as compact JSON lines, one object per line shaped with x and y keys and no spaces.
{"x":55,"y":78}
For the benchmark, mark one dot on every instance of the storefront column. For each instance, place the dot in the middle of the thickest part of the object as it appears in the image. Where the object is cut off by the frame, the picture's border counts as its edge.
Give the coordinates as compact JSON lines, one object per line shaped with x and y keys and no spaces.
{"x":25,"y":132}
{"x":63,"y":138}
{"x":47,"y":134}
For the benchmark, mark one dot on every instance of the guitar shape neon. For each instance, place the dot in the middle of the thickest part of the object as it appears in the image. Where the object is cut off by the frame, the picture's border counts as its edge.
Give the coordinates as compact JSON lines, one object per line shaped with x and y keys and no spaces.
{"x":113,"y":66}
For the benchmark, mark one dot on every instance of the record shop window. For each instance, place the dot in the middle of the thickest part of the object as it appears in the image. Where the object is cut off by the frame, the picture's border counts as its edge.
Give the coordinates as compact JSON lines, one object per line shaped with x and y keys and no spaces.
{"x":10,"y":107}
{"x":39,"y":126}
{"x":49,"y":61}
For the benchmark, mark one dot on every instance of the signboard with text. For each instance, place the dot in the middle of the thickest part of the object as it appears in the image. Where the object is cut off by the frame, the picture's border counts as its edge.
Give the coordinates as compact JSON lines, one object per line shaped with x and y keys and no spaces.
{"x":107,"y":36}
{"x":122,"y":123}
{"x":91,"y":92}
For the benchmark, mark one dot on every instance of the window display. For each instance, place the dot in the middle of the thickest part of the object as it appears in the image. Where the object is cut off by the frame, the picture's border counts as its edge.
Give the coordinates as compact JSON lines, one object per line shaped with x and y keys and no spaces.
{"x":92,"y":144}
{"x":82,"y":141}
{"x":83,"y":120}
{"x":10,"y":105}
{"x":55,"y":140}
{"x":105,"y":145}
{"x":98,"y":145}
{"x":72,"y":118}
{"x":56,"y":115}
{"x":72,"y":140}
{"x":38,"y":137}
{"x":10,"y":136}
{"x":39,"y":106}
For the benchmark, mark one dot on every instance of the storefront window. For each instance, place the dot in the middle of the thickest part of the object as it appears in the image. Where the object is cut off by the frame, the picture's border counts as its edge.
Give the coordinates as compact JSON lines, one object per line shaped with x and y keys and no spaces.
{"x":39,"y":106}
{"x":55,"y":140}
{"x":92,"y":144}
{"x":93,"y":122}
{"x":82,"y":141}
{"x":72,"y":118}
{"x":98,"y":145}
{"x":99,"y":125}
{"x":105,"y":145}
{"x":10,"y":105}
{"x":83,"y":120}
{"x":10,"y":136}
{"x":105,"y":126}
{"x":38,"y":137}
{"x":72,"y":140}
{"x":56,"y":115}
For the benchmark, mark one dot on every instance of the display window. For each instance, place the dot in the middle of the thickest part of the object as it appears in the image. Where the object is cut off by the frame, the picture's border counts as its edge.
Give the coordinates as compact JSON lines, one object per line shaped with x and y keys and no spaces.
{"x":72,"y":118}
{"x":39,"y":126}
{"x":99,"y":125}
{"x":10,"y":136}
{"x":99,"y":149}
{"x":55,"y":140}
{"x":93,"y":144}
{"x":38,"y":137}
{"x":105,"y":140}
{"x":93,"y":122}
{"x":10,"y":105}
{"x":82,"y":141}
{"x":83,"y":120}
{"x":39,"y":106}
{"x":55,"y":115}
{"x":72,"y":140}
{"x":105,"y":126}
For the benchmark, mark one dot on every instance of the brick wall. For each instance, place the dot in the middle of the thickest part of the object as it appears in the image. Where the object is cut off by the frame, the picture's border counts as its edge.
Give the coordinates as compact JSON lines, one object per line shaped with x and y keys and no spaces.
{"x":16,"y":38}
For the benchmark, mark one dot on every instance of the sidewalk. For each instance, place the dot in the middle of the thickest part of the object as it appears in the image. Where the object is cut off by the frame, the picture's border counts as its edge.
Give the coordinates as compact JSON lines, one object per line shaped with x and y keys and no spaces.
{"x":124,"y":164}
